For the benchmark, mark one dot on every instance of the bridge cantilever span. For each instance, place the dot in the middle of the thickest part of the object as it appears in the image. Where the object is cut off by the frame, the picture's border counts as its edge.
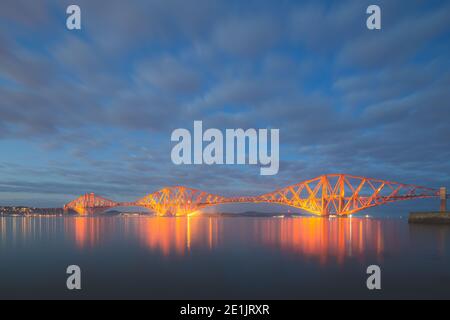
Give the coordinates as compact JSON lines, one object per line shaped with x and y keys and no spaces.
{"x":332,"y":194}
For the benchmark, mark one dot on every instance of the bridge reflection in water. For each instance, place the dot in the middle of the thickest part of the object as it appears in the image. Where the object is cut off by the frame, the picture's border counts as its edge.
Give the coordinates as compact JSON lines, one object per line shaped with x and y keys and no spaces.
{"x":321,"y":239}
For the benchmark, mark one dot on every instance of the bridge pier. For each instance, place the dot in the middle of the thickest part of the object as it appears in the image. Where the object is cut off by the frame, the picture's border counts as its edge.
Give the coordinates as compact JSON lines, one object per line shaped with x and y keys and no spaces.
{"x":441,"y":217}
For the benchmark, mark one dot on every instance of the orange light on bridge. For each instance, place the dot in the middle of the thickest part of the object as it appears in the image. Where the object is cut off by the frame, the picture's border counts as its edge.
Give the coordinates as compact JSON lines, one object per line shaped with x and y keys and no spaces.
{"x":333,"y":194}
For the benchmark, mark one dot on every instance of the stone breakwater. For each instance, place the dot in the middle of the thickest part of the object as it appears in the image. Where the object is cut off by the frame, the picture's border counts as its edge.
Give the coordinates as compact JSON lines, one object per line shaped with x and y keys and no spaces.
{"x":430,"y":217}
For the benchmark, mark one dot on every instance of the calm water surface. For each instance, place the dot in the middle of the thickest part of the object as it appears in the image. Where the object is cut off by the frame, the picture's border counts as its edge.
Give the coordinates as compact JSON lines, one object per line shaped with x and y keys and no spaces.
{"x":222,"y":258}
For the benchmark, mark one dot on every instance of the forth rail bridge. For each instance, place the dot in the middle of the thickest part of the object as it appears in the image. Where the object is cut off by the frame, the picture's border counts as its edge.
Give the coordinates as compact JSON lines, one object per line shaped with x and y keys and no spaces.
{"x":333,"y":194}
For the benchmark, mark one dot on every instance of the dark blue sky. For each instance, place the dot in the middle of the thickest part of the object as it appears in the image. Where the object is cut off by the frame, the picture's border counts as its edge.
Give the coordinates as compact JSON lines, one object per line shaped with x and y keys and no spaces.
{"x":93,"y":110}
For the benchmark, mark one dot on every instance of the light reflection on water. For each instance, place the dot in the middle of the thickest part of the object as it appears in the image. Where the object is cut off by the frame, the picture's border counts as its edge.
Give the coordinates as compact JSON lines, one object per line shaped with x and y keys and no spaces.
{"x":244,"y":257}
{"x":314,"y":237}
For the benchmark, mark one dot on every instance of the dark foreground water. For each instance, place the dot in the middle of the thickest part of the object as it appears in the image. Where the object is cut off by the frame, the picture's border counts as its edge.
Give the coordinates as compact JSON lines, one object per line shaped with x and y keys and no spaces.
{"x":222,"y":258}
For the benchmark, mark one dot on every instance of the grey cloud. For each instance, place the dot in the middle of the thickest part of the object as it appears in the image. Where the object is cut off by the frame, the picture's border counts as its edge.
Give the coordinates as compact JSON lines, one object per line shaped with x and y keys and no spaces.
{"x":236,"y":92}
{"x":415,"y":106}
{"x":325,"y":29}
{"x":149,"y":111}
{"x":247,"y":36}
{"x":168,"y":75}
{"x":116,"y":28}
{"x":24,"y":12}
{"x":25,"y":67}
{"x":78,"y":55}
{"x":387,"y":83}
{"x":321,"y":28}
{"x":398,"y":42}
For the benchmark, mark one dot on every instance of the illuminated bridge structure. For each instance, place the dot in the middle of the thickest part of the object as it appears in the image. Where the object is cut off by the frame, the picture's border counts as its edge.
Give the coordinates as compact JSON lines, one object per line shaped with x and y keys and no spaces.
{"x":332,"y":194}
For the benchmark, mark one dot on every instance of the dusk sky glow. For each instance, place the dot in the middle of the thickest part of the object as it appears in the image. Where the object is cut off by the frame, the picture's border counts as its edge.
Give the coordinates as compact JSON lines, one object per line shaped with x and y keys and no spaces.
{"x":93,"y":110}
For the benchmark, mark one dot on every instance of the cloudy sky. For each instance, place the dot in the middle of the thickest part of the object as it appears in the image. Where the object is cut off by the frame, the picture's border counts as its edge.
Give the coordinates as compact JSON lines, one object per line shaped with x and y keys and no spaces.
{"x":93,"y":110}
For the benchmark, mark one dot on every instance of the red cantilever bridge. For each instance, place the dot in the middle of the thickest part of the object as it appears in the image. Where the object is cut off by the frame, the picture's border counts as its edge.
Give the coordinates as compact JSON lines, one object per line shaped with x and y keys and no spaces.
{"x":333,"y":194}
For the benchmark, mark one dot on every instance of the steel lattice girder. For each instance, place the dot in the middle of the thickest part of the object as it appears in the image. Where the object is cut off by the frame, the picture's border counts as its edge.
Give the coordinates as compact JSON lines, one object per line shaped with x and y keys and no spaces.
{"x":338,"y":194}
